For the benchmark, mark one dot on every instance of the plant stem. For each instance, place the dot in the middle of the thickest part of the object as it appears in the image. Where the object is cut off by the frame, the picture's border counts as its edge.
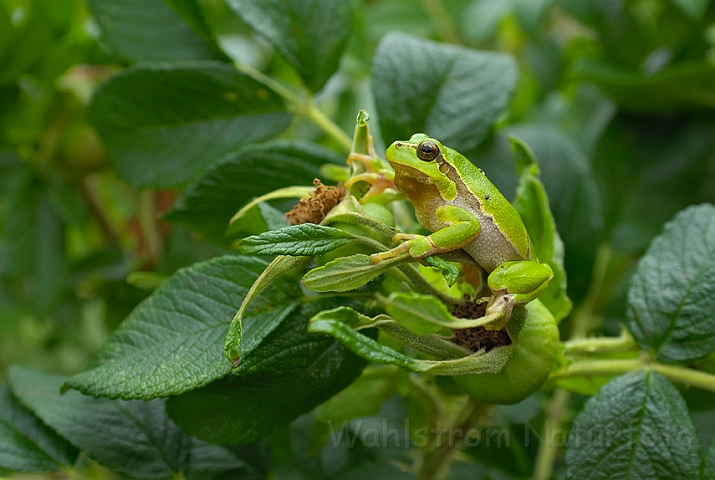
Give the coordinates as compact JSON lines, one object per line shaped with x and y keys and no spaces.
{"x":148,"y":224}
{"x":624,"y":343}
{"x":441,"y":19}
{"x":591,"y":368}
{"x":688,"y":376}
{"x":72,"y":473}
{"x":584,"y":316}
{"x":555,"y":418}
{"x":274,"y":85}
{"x":583,"y":321}
{"x":302,"y":106}
{"x":327,"y":125}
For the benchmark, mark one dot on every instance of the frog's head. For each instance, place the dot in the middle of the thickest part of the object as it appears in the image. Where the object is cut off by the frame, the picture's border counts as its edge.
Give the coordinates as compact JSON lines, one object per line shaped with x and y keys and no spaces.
{"x":421,"y":160}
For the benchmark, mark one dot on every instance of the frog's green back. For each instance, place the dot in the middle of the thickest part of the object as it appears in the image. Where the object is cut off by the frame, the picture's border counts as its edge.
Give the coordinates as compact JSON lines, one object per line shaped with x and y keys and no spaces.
{"x":492,"y":201}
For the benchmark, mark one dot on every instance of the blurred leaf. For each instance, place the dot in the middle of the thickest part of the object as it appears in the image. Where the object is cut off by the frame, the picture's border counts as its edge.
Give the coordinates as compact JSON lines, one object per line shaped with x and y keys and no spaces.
{"x":531,"y":13}
{"x":672,"y":293}
{"x":533,"y":206}
{"x":150,"y":30}
{"x":172,"y":342}
{"x":450,"y":93}
{"x":584,"y":115}
{"x":637,"y":427}
{"x":383,"y":469}
{"x":34,"y":240}
{"x":191,"y":12}
{"x":573,"y":198}
{"x":650,"y":168}
{"x":135,"y":438}
{"x":692,"y":8}
{"x":209,"y":203}
{"x":23,"y":46}
{"x":684,"y":86}
{"x":307,"y":239}
{"x":310,"y":34}
{"x":708,"y":472}
{"x":163,"y":124}
{"x":27,"y":444}
{"x":362,"y":398}
{"x":482,"y":18}
{"x":291,"y":372}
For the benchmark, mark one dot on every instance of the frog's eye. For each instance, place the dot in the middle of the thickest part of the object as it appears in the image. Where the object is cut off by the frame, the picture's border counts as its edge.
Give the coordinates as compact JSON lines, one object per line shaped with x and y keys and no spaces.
{"x":427,"y":151}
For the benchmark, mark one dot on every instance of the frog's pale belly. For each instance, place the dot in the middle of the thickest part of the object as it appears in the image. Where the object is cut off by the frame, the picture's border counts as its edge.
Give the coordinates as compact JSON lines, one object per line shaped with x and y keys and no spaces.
{"x":490,"y":248}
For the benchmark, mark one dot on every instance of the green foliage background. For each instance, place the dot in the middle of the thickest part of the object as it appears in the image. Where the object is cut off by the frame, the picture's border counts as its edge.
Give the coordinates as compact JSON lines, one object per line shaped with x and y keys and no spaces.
{"x":132,"y":130}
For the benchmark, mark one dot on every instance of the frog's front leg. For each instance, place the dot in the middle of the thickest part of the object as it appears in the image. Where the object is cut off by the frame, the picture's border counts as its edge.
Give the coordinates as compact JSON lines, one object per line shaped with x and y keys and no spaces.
{"x":463,"y":227}
{"x":514,"y":284}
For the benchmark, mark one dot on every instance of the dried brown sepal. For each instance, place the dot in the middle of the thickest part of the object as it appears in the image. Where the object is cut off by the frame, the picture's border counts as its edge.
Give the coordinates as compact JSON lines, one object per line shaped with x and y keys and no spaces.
{"x":314,"y":208}
{"x":477,"y":338}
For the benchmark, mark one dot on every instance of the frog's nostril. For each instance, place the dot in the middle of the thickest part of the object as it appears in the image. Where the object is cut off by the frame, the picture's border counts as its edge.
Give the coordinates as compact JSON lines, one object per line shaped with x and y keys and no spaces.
{"x":398,"y":144}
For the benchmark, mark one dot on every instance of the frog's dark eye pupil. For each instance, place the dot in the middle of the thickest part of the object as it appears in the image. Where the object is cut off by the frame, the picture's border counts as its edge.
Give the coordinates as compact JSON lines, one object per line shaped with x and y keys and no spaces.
{"x":427,"y":151}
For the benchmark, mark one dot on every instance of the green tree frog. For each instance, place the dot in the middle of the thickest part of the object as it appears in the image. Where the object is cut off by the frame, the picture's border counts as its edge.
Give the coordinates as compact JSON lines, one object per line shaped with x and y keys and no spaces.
{"x":455,"y":200}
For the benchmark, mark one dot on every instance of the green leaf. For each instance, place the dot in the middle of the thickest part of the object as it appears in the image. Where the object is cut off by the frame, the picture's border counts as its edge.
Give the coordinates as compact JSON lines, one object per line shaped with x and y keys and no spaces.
{"x":637,"y":427}
{"x":172,"y":342}
{"x":307,"y":239}
{"x":449,"y":271}
{"x":689,"y":85}
{"x":209,"y":203}
{"x":337,"y":323}
{"x":280,"y":266}
{"x":361,"y":345}
{"x":532,"y":203}
{"x":708,"y":472}
{"x":672,"y":292}
{"x":310,"y":34}
{"x":246,"y":219}
{"x":163,"y":124}
{"x":148,"y":31}
{"x":348,"y":273}
{"x":274,"y":218}
{"x":289,"y":374}
{"x":451,"y":93}
{"x":420,"y":314}
{"x":135,"y":438}
{"x":573,"y":195}
{"x":27,"y":444}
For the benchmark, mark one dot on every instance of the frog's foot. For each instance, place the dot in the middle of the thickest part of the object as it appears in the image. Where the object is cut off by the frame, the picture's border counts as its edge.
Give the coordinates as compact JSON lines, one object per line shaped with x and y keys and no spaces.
{"x":393,"y":252}
{"x":399,"y":237}
{"x":418,"y":246}
{"x":500,"y":307}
